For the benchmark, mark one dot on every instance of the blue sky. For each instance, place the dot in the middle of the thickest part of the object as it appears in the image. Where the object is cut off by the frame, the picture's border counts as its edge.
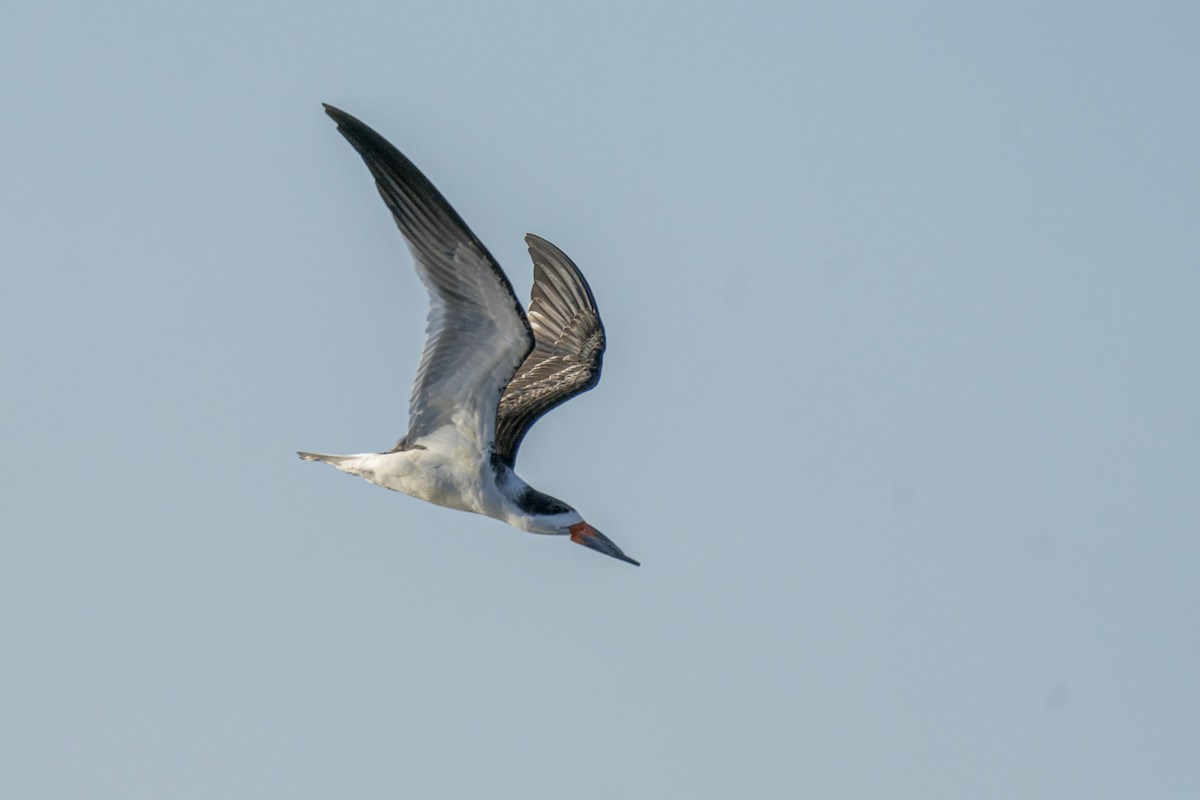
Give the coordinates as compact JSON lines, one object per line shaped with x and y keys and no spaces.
{"x":900,"y":410}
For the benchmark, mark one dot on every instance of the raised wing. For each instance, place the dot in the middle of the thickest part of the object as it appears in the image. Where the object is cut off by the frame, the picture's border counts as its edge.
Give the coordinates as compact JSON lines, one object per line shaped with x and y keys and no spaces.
{"x":477,"y":334}
{"x":568,"y":347}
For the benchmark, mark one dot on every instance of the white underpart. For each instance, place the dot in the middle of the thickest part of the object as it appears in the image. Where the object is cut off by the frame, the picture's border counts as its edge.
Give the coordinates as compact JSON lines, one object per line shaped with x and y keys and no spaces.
{"x":445,"y":470}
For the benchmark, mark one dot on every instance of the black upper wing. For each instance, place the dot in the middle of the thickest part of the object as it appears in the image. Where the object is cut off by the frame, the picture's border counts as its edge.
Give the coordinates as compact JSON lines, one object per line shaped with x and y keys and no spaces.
{"x":567,"y":353}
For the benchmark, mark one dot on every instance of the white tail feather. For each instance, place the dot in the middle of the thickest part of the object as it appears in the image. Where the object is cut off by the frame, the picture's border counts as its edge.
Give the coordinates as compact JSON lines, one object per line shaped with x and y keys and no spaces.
{"x":328,"y":459}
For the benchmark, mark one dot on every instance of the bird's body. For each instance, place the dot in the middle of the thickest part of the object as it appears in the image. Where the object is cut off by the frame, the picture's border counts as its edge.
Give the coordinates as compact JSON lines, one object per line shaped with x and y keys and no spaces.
{"x":458,"y":478}
{"x":488,"y":370}
{"x":454,"y":479}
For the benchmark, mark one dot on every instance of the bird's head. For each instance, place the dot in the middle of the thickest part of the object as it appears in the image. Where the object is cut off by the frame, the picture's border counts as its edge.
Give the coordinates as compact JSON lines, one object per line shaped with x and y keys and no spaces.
{"x":541,"y":513}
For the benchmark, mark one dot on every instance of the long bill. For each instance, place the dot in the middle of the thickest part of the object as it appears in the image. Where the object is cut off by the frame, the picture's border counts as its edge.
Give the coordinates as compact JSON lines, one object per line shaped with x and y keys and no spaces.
{"x":586,"y":535}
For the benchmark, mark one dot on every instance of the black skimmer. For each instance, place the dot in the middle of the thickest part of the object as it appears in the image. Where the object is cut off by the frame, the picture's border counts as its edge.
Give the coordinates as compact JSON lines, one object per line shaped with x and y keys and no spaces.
{"x":488,"y":370}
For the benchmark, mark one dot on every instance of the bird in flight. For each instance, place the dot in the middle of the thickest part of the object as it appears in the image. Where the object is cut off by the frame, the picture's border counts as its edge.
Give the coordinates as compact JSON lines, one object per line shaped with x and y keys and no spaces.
{"x":489,"y":370}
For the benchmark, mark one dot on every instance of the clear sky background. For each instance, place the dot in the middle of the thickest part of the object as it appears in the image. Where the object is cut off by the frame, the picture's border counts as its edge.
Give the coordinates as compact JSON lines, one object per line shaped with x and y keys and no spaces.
{"x":901,"y":407}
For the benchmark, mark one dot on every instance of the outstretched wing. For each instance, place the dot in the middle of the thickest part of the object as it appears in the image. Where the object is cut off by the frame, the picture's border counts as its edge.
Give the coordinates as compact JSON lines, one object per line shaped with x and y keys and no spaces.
{"x":567,"y":353}
{"x":477,"y":334}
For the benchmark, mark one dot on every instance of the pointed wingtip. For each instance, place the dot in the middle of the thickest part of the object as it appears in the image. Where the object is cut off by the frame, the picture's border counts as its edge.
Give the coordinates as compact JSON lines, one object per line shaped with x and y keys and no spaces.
{"x":539,"y":247}
{"x":544,"y":250}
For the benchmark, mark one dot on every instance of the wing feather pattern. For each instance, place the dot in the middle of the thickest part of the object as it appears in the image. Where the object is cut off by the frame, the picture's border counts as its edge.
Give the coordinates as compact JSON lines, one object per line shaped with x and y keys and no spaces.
{"x":477,"y":334}
{"x":568,"y":347}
